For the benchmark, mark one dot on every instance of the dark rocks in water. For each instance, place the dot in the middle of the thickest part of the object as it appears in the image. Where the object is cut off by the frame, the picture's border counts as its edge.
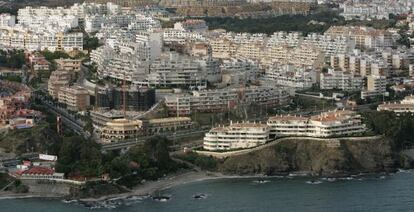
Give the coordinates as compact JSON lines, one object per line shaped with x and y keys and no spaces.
{"x":314,"y":182}
{"x":200,"y":196}
{"x":261,"y":181}
{"x":161,"y":198}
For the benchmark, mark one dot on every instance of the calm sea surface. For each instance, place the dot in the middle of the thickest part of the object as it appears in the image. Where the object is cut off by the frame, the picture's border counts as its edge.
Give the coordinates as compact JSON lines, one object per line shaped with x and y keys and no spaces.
{"x":374,"y":193}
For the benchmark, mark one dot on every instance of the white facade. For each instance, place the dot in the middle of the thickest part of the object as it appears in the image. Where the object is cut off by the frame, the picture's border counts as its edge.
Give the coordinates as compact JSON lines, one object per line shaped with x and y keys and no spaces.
{"x":291,"y":76}
{"x":236,"y":136}
{"x":119,"y":65}
{"x":328,"y":124}
{"x":366,"y":10}
{"x":405,"y":106}
{"x":341,"y":80}
{"x":181,"y":37}
{"x":217,"y":100}
{"x":42,"y":29}
{"x":239,"y":71}
{"x":150,"y":44}
{"x":7,"y":20}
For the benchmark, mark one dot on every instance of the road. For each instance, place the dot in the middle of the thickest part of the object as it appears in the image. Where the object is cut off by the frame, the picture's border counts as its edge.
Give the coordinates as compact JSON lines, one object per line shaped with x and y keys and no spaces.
{"x":68,"y":121}
{"x":132,"y":142}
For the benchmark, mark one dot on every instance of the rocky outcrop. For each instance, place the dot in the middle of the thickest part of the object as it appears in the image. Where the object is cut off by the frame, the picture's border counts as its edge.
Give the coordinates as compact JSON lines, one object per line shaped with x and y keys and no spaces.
{"x":315,"y":157}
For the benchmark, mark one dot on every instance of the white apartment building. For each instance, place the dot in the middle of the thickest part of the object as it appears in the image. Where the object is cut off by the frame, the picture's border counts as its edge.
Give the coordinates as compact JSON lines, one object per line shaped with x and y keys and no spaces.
{"x":43,"y":28}
{"x":239,"y":71}
{"x":364,"y":64}
{"x":327,"y":124}
{"x":284,"y":50}
{"x":218,"y":100}
{"x":366,"y":10}
{"x":181,"y":37}
{"x":20,"y":38}
{"x":118,"y":65}
{"x":142,"y":22}
{"x":364,"y":37}
{"x":222,"y":48}
{"x":177,"y":70}
{"x":150,"y":44}
{"x":376,"y":85}
{"x":166,"y":70}
{"x":291,"y":76}
{"x":327,"y":44}
{"x":93,"y":23}
{"x":7,"y":20}
{"x":236,"y":136}
{"x":341,"y":80}
{"x":405,"y":106}
{"x":60,"y":19}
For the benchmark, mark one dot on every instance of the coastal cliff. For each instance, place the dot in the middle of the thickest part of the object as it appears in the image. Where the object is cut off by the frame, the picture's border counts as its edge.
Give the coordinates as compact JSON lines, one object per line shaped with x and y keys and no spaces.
{"x":315,"y":157}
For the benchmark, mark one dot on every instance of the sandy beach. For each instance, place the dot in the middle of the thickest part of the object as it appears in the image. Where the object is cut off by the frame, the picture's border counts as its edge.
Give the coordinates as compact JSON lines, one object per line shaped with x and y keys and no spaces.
{"x":150,"y":187}
{"x":145,"y":189}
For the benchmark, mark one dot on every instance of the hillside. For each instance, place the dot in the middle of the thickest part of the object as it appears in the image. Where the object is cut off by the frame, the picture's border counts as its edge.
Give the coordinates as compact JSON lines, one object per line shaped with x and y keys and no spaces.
{"x":314,"y":157}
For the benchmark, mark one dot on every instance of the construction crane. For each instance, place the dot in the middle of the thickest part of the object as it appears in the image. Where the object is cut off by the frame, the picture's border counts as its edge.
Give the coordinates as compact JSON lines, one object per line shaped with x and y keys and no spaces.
{"x":124,"y":96}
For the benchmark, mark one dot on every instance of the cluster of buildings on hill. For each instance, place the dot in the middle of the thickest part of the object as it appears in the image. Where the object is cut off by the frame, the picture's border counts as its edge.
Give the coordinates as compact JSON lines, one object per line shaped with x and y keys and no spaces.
{"x":374,"y":9}
{"x":40,"y":29}
{"x":247,"y":135}
{"x":60,"y":29}
{"x":191,"y":56}
{"x":190,"y":69}
{"x":220,"y":100}
{"x":14,"y":99}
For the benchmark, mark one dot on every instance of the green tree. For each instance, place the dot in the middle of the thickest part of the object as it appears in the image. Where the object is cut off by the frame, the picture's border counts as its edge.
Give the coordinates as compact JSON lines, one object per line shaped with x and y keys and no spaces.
{"x":90,"y":43}
{"x":51,"y":56}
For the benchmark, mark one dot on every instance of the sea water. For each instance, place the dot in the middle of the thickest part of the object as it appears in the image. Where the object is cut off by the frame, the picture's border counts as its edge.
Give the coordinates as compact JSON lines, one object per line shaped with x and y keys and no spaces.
{"x":378,"y":193}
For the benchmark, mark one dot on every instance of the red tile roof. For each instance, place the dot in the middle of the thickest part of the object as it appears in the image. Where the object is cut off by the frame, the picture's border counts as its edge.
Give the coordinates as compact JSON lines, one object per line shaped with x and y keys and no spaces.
{"x":39,"y":171}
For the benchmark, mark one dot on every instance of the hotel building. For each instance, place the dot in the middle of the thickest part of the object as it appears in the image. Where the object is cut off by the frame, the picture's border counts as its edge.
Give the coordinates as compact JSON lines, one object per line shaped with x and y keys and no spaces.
{"x":341,"y":80}
{"x":327,"y":124}
{"x":124,"y":129}
{"x":291,"y":76}
{"x":167,"y":125}
{"x":364,"y":37}
{"x":76,"y":98}
{"x":220,"y":100}
{"x":405,"y":106}
{"x":236,"y":136}
{"x":376,"y":86}
{"x":121,"y":129}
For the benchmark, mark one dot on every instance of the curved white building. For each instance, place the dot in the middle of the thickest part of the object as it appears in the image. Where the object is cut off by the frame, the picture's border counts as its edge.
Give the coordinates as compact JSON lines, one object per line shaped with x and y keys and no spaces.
{"x":236,"y":136}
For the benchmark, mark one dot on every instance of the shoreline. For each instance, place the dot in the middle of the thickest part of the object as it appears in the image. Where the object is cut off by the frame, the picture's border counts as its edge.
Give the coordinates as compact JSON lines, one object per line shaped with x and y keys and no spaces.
{"x":150,"y":187}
